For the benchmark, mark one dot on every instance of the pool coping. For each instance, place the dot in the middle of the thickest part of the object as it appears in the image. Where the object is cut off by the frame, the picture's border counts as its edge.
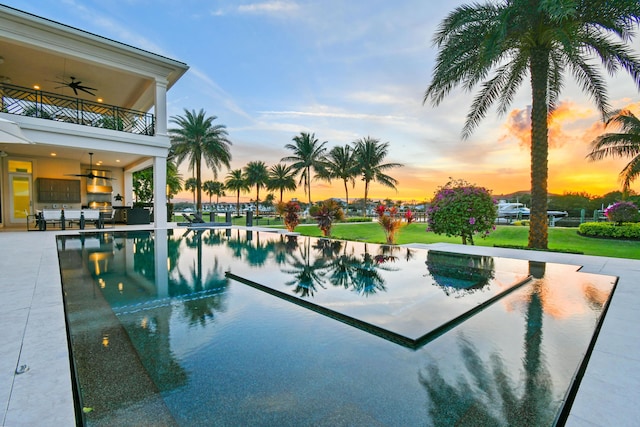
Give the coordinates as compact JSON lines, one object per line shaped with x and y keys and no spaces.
{"x":34,"y":333}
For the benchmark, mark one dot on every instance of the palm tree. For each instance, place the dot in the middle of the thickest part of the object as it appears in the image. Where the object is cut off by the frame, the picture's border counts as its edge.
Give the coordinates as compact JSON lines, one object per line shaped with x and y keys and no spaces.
{"x":214,"y":188}
{"x":236,"y":182}
{"x":369,"y":154}
{"x":281,"y":177}
{"x":624,"y":144}
{"x":256,"y":173}
{"x":197,"y":138}
{"x":308,"y":154}
{"x":514,"y":38}
{"x":174,"y":179}
{"x":191,"y":184}
{"x":341,"y":164}
{"x":269,"y":200}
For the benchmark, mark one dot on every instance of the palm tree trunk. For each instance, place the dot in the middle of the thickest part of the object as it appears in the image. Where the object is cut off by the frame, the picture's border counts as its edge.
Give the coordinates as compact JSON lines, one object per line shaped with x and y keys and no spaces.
{"x":346,"y":192}
{"x":366,"y":194}
{"x":199,"y":188}
{"x":238,"y":204}
{"x":257,"y":201}
{"x":309,"y":185}
{"x":538,"y":237}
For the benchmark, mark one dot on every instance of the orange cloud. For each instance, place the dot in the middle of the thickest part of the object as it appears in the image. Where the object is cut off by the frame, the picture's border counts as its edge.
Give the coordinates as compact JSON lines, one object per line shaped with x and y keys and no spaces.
{"x":518,"y":124}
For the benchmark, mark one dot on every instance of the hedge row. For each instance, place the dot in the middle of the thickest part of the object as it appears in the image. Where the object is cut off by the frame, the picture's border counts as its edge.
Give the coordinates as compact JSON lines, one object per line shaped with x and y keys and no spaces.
{"x":608,"y":230}
{"x":357,"y":219}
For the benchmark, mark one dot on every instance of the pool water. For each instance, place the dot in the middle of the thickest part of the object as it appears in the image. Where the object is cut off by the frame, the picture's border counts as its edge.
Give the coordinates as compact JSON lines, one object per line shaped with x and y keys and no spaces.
{"x":231,"y":327}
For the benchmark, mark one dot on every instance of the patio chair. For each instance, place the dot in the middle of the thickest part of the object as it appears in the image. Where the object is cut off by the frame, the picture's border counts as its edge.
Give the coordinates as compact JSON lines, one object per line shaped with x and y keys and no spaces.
{"x":108,"y":218}
{"x":187,"y":218}
{"x":197,"y":218}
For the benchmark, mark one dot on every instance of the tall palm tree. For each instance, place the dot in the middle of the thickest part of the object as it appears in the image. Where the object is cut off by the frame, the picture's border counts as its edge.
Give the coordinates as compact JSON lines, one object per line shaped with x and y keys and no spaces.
{"x":174,"y":179}
{"x":207,"y":187}
{"x":197,"y":139}
{"x":308,"y":155}
{"x":541,"y":39}
{"x":341,"y":164}
{"x":369,"y":154}
{"x":623,"y":144}
{"x":191,"y":184}
{"x":256,"y":173}
{"x":281,"y":178}
{"x":214,"y":188}
{"x":236,"y":182}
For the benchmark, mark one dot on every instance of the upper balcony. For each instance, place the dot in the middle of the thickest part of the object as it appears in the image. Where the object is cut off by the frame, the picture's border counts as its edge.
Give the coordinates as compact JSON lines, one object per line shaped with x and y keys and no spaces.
{"x":46,"y":105}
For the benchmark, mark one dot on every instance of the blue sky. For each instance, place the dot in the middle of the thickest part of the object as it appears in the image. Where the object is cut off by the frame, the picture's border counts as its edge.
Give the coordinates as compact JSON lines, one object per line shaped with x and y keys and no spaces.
{"x":344,"y":70}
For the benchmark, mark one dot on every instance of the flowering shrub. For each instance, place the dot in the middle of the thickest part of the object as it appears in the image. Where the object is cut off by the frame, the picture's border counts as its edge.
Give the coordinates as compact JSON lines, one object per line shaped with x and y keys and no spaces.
{"x":289,"y":212}
{"x":408,"y":215}
{"x":621,"y":212}
{"x":390,"y":220}
{"x":462,"y":209}
{"x":325,"y":213}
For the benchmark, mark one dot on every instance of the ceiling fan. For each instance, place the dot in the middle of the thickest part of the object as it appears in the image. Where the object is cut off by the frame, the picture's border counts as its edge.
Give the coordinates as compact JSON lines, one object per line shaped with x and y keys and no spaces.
{"x":90,"y":175}
{"x":76,"y":86}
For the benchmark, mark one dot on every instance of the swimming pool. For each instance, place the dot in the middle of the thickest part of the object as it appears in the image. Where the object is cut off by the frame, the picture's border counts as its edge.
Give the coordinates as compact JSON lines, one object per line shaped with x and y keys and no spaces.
{"x":234,"y":327}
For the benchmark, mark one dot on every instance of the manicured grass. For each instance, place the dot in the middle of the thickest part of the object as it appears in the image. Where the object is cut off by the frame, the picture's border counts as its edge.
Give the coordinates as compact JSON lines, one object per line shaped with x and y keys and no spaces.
{"x":560,"y":239}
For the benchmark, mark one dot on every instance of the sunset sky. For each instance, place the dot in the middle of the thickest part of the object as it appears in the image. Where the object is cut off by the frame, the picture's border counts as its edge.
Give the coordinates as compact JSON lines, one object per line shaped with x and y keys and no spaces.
{"x":345,"y":70}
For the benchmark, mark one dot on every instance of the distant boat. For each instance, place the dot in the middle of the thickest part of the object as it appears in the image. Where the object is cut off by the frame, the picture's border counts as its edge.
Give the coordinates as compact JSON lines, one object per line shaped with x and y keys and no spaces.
{"x":516,"y":210}
{"x":512,"y":210}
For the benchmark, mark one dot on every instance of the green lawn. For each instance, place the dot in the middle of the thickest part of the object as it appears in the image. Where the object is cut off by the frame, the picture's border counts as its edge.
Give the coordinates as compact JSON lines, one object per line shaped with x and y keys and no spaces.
{"x":560,"y":238}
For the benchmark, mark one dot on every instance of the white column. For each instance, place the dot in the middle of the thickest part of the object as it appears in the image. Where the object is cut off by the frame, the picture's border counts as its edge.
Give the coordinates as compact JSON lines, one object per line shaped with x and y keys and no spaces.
{"x":161,"y":107}
{"x":160,"y":191}
{"x":162,"y":253}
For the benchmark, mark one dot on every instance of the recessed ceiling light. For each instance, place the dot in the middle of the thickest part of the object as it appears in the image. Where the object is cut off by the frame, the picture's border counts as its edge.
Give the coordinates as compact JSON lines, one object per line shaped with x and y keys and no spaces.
{"x":36,"y":87}
{"x":99,"y":99}
{"x":117,"y":160}
{"x":53,"y":154}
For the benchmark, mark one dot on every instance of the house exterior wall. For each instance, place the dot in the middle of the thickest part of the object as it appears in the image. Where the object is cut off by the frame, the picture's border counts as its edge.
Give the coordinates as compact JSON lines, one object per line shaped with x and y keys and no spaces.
{"x":146,"y":75}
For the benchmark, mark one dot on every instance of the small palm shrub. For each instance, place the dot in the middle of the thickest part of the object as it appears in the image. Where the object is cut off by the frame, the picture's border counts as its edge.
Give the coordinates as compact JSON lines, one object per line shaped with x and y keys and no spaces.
{"x":290,"y":211}
{"x":325,"y":214}
{"x":391,"y":222}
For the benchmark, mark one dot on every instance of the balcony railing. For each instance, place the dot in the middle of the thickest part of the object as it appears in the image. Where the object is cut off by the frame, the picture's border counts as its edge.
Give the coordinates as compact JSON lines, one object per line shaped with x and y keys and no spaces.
{"x":45,"y":105}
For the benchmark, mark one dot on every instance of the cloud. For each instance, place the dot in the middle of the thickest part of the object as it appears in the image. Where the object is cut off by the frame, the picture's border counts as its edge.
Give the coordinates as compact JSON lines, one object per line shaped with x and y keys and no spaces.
{"x":270,"y":7}
{"x":561,"y":124}
{"x":110,"y":26}
{"x":214,"y":89}
{"x":331,"y":114}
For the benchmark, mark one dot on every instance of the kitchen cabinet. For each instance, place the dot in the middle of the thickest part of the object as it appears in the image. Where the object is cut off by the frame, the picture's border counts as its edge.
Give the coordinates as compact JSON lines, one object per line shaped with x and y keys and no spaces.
{"x":58,"y":190}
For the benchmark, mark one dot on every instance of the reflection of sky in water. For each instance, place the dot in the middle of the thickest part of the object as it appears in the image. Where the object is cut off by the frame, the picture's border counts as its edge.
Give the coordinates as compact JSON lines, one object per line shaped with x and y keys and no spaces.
{"x":251,"y":358}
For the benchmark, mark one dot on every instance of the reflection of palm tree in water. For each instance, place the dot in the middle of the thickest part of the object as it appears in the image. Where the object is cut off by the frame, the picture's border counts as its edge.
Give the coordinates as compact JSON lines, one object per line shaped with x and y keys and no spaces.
{"x":308,"y":275}
{"x":343,"y":267}
{"x":236,"y":245}
{"x":328,"y":248}
{"x":464,"y":404}
{"x":256,"y":251}
{"x":213,"y":237}
{"x":283,"y":247}
{"x":199,"y":308}
{"x":360,"y":274}
{"x":367,"y":279}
